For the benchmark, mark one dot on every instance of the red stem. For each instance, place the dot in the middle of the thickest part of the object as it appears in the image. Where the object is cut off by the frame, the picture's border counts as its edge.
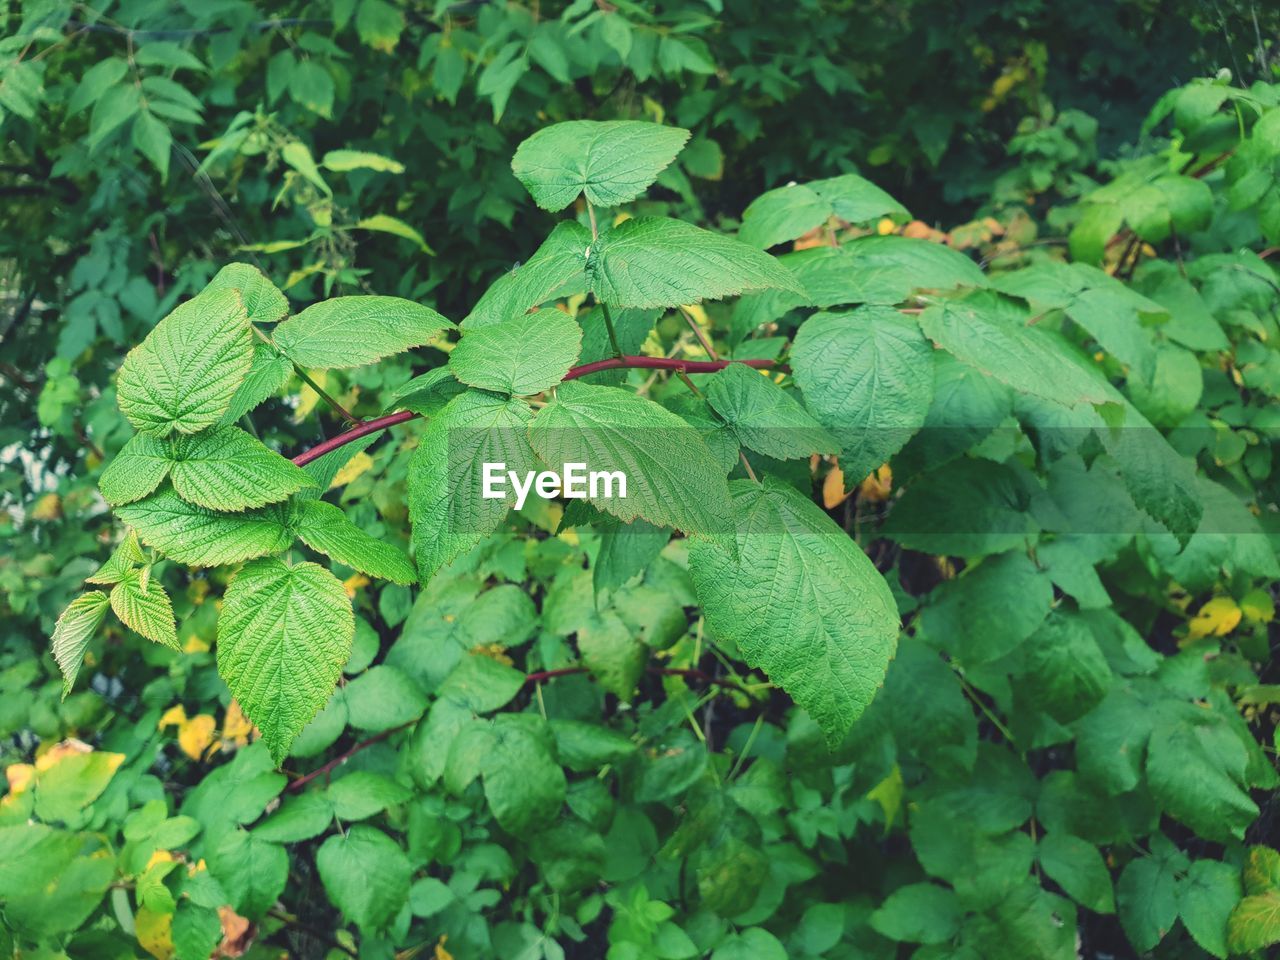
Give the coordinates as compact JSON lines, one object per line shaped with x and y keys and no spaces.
{"x":613,"y":363}
{"x":344,"y":757}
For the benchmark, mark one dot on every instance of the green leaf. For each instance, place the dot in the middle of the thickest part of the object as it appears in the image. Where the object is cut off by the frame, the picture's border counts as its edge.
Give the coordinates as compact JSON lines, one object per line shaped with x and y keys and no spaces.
{"x":753,"y":943}
{"x":1078,"y":868}
{"x":154,"y":141}
{"x":1111,"y":741}
{"x":918,"y":913}
{"x":989,"y":610}
{"x":183,"y":375}
{"x":75,"y":628}
{"x":1066,"y":673}
{"x":1196,"y":770}
{"x":226,"y":469}
{"x":790,"y":212}
{"x":354,"y":331}
{"x":558,"y":267}
{"x":446,"y":506}
{"x":365,"y":874}
{"x":481,"y":683}
{"x":764,"y":417}
{"x":361,"y":794}
{"x":251,"y":870}
{"x":1160,"y":480}
{"x":262,"y":299}
{"x":269,"y":372}
{"x":1147,"y":901}
{"x":523,"y":784}
{"x":429,"y":393}
{"x":324,"y":527}
{"x":140,"y":467}
{"x":382,"y":698}
{"x":986,"y":333}
{"x":612,"y":653}
{"x":200,"y":537}
{"x":283,"y":635}
{"x":298,"y":818}
{"x":523,"y":355}
{"x":111,"y":112}
{"x":1206,"y":897}
{"x":384,"y":223}
{"x":672,"y":479}
{"x":868,"y":377}
{"x":145,"y":609}
{"x":659,"y":262}
{"x":801,"y":601}
{"x":612,"y":162}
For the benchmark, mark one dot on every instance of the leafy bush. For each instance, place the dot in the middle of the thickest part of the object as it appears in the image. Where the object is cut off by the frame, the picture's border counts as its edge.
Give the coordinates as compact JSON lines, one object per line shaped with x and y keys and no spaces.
{"x":1006,"y":693}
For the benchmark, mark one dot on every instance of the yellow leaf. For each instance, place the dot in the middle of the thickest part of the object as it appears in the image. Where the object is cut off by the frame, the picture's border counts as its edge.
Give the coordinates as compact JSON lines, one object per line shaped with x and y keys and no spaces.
{"x":236,"y":727}
{"x":351,"y":469}
{"x":699,"y":314}
{"x":48,"y":507}
{"x":194,"y":644}
{"x":886,"y":227}
{"x":354,"y":583}
{"x":19,"y":776}
{"x":160,"y":856}
{"x":1216,"y":618}
{"x":196,"y":735}
{"x":154,"y":932}
{"x":176,"y":714}
{"x":57,"y":752}
{"x":877,"y":486}
{"x":494,"y":651}
{"x":441,"y":952}
{"x":833,"y":488}
{"x":307,"y":397}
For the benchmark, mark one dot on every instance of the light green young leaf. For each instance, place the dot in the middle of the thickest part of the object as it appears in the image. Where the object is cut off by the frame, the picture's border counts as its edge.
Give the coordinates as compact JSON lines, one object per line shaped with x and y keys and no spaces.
{"x":660,"y":262}
{"x":672,"y":479}
{"x":123,"y":559}
{"x":788,"y":213}
{"x":868,"y":377}
{"x":262,"y":299}
{"x":523,"y":355}
{"x":612,"y":162}
{"x":344,"y":161}
{"x":557,"y":267}
{"x":428,"y":393}
{"x":140,"y":467}
{"x":269,"y":372}
{"x":365,"y":874}
{"x":200,"y":537}
{"x":448,"y":513}
{"x":801,"y":601}
{"x":283,"y":635}
{"x":183,"y":375}
{"x":226,"y":469}
{"x":353,"y":331}
{"x":385,"y":223}
{"x":75,"y":628}
{"x":612,"y":653}
{"x":764,"y":417}
{"x":324,"y":527}
{"x":145,"y":609}
{"x":991,"y":335}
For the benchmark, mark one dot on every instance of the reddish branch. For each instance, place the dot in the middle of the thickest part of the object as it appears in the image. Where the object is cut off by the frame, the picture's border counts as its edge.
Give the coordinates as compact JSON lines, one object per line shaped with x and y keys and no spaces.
{"x":344,"y":757}
{"x":614,"y":363}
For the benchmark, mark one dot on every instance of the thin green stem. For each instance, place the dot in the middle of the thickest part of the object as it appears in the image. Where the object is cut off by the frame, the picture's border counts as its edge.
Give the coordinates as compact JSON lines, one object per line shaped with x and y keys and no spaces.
{"x":613,"y":334}
{"x":697,"y":332}
{"x":746,"y":747}
{"x":337,"y":408}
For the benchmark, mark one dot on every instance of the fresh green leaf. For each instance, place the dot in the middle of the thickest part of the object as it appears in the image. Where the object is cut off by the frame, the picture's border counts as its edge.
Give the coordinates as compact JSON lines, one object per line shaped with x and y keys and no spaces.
{"x":524,"y":355}
{"x":365,"y":874}
{"x":764,"y":417}
{"x":145,"y":608}
{"x":283,"y":636}
{"x":324,"y":527}
{"x":140,"y":467}
{"x":226,"y":469}
{"x":200,"y":537}
{"x":75,"y":628}
{"x":353,"y":331}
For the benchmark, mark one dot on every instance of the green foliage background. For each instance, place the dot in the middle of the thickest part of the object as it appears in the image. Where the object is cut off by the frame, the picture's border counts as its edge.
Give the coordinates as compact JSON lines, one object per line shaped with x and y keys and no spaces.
{"x":1031,"y":782}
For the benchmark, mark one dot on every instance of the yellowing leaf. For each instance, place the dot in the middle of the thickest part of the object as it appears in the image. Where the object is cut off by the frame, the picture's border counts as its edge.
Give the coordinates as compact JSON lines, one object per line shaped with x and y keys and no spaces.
{"x":877,"y":486}
{"x":888,"y":793}
{"x":19,"y":776}
{"x":1257,"y":606}
{"x":307,"y":397}
{"x":48,"y":507}
{"x":354,"y":583}
{"x":351,"y":469}
{"x":57,"y":752}
{"x":1216,"y":618}
{"x":833,"y":488}
{"x":441,"y":953}
{"x":236,"y":727}
{"x":196,"y":735}
{"x":175,"y":715}
{"x":154,"y":932}
{"x":195,"y":644}
{"x":160,"y":856}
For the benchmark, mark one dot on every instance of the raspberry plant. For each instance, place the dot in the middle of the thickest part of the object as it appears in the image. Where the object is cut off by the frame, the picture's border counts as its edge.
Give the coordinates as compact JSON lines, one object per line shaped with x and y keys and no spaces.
{"x":1047,"y":680}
